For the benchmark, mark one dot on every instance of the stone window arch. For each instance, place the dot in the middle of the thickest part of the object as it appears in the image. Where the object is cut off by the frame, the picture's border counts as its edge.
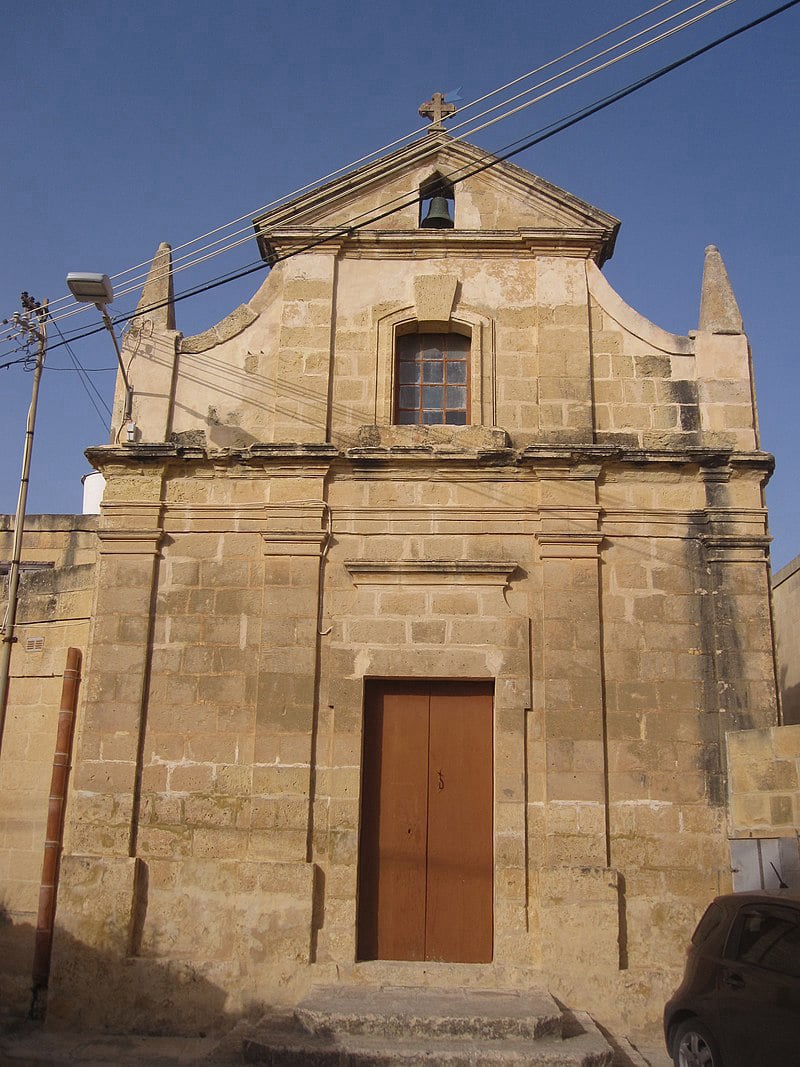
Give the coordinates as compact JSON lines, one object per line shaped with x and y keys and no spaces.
{"x":476,"y":330}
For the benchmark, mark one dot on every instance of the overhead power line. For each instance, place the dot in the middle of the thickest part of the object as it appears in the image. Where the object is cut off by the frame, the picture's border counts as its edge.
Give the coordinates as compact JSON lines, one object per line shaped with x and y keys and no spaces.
{"x":490,"y":160}
{"x":226,"y":243}
{"x":94,"y":394}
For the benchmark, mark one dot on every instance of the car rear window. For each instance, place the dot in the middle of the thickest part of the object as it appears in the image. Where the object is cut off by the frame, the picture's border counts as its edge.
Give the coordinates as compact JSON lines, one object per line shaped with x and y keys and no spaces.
{"x":710,"y":922}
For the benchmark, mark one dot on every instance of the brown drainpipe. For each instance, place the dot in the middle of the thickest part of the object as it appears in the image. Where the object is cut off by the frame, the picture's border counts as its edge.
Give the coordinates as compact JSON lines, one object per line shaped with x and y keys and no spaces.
{"x":55,"y":826}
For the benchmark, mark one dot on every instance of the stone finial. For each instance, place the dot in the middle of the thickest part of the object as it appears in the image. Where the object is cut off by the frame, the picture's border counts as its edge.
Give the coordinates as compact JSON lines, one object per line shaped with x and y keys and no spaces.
{"x":158,"y":290}
{"x":437,"y":109}
{"x":719,"y":312}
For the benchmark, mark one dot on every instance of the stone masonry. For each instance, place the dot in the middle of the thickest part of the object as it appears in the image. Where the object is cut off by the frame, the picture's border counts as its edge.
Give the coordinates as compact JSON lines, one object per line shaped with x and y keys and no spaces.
{"x":593,"y":541}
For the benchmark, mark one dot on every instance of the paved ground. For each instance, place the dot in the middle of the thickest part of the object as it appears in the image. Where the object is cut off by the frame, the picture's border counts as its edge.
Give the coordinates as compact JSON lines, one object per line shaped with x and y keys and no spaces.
{"x":30,"y":1045}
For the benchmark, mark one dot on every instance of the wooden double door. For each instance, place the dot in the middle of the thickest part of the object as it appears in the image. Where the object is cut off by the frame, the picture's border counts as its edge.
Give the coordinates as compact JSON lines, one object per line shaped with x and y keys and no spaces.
{"x":425,"y":888}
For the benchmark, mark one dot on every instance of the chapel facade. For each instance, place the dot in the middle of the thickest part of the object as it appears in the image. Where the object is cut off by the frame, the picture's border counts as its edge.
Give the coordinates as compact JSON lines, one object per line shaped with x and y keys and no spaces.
{"x":425,"y":595}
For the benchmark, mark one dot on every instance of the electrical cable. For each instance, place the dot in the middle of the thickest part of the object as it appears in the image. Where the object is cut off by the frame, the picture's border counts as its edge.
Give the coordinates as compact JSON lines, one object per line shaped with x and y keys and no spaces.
{"x":379,"y":151}
{"x":87,"y":383}
{"x":490,"y":160}
{"x":451,"y":130}
{"x":80,"y":307}
{"x":228,"y":244}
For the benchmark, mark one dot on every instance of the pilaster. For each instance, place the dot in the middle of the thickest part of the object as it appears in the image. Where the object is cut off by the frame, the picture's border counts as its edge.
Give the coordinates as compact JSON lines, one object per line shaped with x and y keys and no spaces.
{"x":293,"y":544}
{"x":106,"y":779}
{"x":574,"y":731}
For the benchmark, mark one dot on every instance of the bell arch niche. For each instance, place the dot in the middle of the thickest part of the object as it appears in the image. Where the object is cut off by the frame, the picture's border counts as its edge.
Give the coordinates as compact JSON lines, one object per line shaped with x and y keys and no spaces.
{"x":476,"y":330}
{"x":437,"y":203}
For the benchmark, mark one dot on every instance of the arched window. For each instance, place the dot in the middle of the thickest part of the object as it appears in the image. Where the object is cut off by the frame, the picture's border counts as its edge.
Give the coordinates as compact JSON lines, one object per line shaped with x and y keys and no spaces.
{"x":432,"y":379}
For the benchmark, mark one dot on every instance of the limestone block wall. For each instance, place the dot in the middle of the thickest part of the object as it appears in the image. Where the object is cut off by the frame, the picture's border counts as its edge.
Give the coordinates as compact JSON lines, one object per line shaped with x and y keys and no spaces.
{"x":556,"y":356}
{"x":620,"y":606}
{"x":764,"y":781}
{"x":54,"y":614}
{"x":593,"y":542}
{"x":786,"y":606}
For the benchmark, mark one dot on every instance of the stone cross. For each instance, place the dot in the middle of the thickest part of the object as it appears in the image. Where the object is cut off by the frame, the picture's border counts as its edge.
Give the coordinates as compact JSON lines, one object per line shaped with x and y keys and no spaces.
{"x":436,"y":109}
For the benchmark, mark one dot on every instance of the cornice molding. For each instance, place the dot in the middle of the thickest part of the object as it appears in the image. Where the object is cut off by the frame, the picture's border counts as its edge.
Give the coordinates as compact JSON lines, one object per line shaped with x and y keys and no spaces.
{"x":736,"y":548}
{"x":569,"y":544}
{"x":129,"y":542}
{"x":589,"y":243}
{"x":430,"y":572}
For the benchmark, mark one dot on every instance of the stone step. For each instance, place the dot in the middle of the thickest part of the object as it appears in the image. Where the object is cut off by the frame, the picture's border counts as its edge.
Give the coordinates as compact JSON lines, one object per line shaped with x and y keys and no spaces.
{"x":433,"y":974}
{"x":364,"y":1026}
{"x":413,"y":1012}
{"x":291,"y":1046}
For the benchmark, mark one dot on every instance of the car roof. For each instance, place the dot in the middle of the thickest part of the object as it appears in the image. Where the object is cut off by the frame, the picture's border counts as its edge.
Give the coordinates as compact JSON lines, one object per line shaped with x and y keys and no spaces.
{"x":761,"y":896}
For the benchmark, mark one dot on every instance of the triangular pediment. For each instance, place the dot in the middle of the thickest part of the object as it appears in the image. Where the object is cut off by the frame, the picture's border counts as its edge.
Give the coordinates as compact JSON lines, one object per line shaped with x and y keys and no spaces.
{"x":492,"y":197}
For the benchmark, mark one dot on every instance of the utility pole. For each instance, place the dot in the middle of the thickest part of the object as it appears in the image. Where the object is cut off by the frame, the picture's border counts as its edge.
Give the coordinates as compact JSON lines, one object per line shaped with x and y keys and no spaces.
{"x":32,"y":325}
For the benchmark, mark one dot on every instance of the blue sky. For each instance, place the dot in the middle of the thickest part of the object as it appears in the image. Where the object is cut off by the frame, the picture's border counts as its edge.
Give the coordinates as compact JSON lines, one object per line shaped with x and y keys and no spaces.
{"x":126,"y":125}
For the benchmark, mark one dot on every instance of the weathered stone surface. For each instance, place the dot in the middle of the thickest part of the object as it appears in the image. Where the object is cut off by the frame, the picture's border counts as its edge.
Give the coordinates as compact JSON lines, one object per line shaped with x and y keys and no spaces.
{"x":592,"y":541}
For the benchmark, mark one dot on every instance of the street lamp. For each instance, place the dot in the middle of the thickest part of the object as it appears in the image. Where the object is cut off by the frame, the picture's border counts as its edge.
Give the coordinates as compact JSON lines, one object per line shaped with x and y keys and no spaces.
{"x":96,"y":289}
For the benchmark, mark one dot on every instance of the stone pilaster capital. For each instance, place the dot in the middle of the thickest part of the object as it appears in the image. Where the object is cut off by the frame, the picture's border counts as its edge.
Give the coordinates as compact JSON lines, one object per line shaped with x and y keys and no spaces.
{"x":569,"y":544}
{"x":284,"y":543}
{"x":736,"y":548}
{"x":129,"y":542}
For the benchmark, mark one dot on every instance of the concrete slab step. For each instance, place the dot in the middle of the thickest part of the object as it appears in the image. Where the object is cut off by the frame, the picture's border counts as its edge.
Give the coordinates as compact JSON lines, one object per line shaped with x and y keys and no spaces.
{"x":283,"y":1041}
{"x":414,"y":1012}
{"x":294,"y":1049}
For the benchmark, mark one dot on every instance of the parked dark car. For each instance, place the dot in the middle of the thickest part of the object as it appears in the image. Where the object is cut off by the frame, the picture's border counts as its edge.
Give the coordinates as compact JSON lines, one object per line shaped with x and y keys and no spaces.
{"x":739,"y":1002}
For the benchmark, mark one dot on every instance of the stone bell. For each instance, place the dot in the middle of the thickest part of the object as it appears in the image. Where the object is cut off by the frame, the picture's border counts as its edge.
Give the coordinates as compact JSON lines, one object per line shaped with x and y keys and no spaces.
{"x":438,"y":217}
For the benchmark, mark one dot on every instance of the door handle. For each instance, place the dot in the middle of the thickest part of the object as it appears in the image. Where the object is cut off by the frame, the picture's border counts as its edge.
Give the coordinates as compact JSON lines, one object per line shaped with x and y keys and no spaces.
{"x":441,"y":780}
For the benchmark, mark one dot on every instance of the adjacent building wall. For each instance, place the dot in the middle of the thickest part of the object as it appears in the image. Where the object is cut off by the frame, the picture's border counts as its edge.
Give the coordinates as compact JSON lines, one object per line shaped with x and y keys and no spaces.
{"x":786,"y":606}
{"x":55,"y":609}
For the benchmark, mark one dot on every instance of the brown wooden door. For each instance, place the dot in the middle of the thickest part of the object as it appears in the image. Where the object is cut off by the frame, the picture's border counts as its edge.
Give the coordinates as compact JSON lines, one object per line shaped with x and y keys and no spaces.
{"x":426,"y":853}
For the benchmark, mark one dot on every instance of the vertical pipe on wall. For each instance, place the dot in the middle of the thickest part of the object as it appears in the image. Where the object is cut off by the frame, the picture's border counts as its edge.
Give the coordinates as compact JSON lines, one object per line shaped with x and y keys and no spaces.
{"x":55,"y":825}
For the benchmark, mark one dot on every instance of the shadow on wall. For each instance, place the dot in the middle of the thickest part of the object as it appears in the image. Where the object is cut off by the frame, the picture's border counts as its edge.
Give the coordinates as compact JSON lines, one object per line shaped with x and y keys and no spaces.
{"x":107,"y":992}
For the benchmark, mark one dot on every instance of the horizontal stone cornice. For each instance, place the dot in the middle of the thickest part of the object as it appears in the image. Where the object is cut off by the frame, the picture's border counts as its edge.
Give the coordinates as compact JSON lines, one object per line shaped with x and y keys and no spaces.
{"x":129,"y":542}
{"x":543,"y":461}
{"x":168,"y":454}
{"x":569,"y":544}
{"x":284,"y":543}
{"x":430,"y":572}
{"x":614,"y":456}
{"x":589,"y":243}
{"x":736,"y":548}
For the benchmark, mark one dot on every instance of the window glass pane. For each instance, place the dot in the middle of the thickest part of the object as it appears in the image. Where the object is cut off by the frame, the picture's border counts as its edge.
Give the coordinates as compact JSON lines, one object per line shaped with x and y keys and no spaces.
{"x":770,"y":940}
{"x":409,"y":372}
{"x":407,"y":346}
{"x":431,"y":353}
{"x":432,"y":376}
{"x":431,"y":396}
{"x":433,"y":372}
{"x":409,"y":396}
